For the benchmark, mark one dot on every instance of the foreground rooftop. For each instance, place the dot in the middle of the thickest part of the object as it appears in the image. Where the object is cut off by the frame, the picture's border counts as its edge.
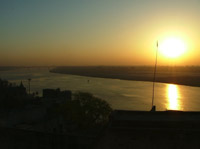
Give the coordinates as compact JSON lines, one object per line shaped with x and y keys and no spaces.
{"x":144,"y":129}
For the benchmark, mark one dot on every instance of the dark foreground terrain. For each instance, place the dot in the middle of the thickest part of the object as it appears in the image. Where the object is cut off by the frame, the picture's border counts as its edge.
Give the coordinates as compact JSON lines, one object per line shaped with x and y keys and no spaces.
{"x":152,"y":130}
{"x":126,"y":130}
{"x":188,"y":75}
{"x":66,"y":120}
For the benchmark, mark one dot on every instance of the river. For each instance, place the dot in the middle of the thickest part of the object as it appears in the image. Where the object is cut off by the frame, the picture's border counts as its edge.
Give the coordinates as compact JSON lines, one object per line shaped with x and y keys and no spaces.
{"x":120,"y":94}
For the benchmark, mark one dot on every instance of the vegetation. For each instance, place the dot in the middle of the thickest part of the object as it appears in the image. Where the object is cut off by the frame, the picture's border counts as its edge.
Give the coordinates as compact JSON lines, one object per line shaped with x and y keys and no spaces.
{"x":85,"y":110}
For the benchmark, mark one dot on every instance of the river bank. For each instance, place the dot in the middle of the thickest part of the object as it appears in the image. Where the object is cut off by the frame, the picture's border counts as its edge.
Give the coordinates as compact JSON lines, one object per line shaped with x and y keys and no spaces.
{"x":189,"y":76}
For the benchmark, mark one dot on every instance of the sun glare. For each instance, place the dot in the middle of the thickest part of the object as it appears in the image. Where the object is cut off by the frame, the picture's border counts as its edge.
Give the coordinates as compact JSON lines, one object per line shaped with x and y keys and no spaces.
{"x":173,"y":95}
{"x":172,"y":47}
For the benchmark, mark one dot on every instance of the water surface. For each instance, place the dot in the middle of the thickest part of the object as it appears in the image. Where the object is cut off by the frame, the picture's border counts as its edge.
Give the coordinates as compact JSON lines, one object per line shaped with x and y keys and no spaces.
{"x":120,"y":94}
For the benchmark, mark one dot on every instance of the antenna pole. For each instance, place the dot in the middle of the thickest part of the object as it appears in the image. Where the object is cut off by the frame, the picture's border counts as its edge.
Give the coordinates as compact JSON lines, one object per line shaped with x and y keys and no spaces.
{"x":154,"y":76}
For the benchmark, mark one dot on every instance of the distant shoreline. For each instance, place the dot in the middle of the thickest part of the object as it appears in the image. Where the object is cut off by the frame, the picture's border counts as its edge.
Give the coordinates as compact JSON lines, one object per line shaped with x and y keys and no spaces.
{"x":188,"y":76}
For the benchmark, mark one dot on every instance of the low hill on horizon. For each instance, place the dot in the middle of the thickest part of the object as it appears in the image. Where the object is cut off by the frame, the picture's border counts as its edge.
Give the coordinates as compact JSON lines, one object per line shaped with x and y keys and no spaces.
{"x":183,"y":75}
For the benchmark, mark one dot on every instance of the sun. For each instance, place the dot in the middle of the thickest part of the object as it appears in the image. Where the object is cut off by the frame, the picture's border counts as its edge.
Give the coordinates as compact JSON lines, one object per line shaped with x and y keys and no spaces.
{"x":172,"y":47}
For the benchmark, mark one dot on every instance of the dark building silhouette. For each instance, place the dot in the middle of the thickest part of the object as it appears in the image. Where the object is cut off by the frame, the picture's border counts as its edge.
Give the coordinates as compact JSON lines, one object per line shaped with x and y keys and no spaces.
{"x":9,"y":90}
{"x":19,"y":90}
{"x":152,"y":130}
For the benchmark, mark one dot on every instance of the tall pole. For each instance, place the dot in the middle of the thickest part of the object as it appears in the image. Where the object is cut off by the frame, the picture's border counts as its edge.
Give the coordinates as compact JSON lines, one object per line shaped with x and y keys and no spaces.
{"x":154,"y":76}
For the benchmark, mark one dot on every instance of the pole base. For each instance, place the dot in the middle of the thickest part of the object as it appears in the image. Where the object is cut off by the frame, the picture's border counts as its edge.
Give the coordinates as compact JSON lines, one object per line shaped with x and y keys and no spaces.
{"x":153,"y":109}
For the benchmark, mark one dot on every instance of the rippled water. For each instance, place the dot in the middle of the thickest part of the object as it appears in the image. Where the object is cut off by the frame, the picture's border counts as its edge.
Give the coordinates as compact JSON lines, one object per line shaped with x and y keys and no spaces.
{"x":121,"y":94}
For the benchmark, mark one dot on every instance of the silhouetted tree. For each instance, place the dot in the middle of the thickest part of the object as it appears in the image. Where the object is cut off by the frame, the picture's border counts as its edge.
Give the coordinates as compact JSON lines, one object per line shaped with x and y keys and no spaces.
{"x":85,"y":110}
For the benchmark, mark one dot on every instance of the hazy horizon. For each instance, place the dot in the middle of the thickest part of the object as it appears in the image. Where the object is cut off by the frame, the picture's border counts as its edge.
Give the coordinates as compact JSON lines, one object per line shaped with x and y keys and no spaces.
{"x":29,"y":66}
{"x":105,"y":33}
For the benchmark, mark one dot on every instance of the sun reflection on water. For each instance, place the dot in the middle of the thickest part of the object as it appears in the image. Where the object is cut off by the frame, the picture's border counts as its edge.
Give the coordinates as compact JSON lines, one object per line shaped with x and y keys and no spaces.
{"x":173,"y":95}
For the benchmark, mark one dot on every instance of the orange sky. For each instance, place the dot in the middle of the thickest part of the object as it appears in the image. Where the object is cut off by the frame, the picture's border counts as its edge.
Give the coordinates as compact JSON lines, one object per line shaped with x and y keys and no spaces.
{"x":97,"y":32}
